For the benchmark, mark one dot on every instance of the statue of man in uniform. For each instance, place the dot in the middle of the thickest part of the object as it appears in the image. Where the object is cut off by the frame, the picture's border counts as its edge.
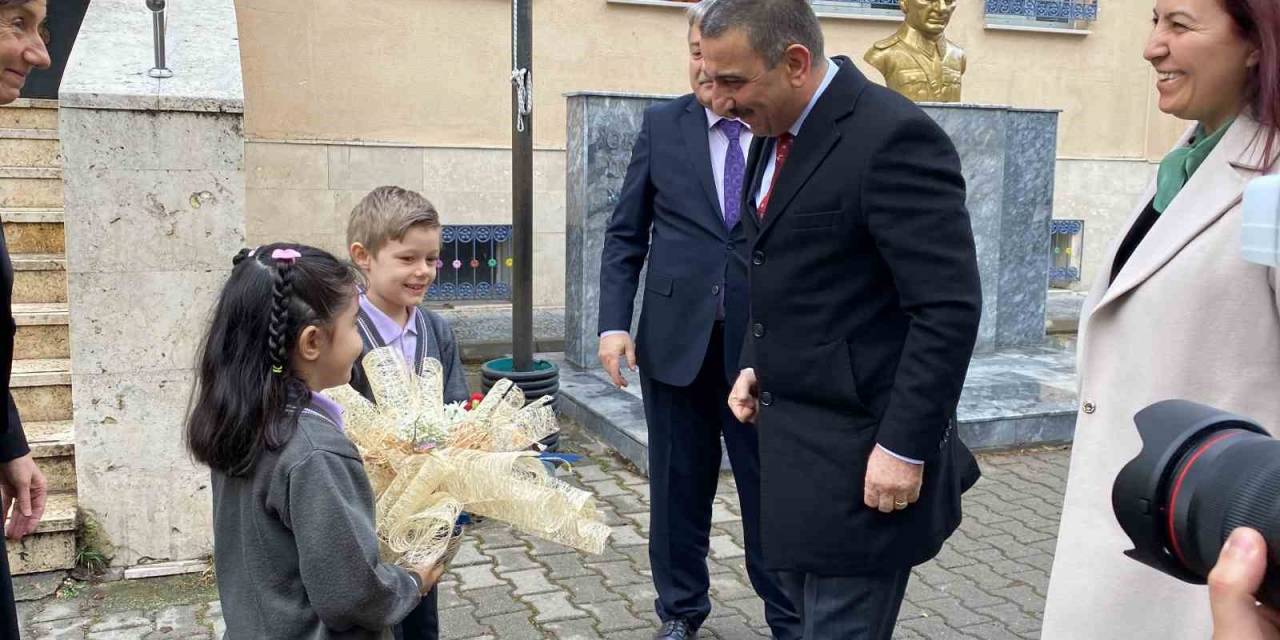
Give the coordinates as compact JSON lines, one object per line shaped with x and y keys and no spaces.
{"x":918,"y":61}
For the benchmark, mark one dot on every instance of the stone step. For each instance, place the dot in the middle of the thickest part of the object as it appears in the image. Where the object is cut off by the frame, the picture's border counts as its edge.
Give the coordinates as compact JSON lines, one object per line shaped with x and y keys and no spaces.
{"x":30,"y":148}
{"x":53,"y":446}
{"x":1062,"y":311}
{"x":42,"y":331}
{"x":39,"y":277}
{"x":29,"y":113}
{"x":30,"y":187}
{"x":33,"y":230}
{"x":53,"y":546}
{"x":42,"y":389}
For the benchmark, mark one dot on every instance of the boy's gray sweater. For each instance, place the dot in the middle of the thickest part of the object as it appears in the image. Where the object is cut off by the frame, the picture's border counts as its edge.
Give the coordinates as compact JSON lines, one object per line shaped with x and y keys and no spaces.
{"x":295,"y":548}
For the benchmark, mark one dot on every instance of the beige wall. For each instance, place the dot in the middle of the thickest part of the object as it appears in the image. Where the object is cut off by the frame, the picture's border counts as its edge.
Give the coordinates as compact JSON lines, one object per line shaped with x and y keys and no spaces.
{"x":304,"y":193}
{"x":435,"y":72}
{"x":416,"y":92}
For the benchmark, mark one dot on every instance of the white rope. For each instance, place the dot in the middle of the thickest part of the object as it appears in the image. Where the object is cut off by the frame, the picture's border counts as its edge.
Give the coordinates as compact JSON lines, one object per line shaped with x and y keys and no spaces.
{"x":524,"y":96}
{"x":519,"y":77}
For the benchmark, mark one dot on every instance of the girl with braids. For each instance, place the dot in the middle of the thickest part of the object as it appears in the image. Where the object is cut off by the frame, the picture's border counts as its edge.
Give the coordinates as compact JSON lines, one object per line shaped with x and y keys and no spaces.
{"x":294,"y":542}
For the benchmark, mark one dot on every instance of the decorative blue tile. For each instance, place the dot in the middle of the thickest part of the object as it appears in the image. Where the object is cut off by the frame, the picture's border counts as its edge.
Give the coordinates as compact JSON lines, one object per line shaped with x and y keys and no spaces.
{"x":1064,"y":13}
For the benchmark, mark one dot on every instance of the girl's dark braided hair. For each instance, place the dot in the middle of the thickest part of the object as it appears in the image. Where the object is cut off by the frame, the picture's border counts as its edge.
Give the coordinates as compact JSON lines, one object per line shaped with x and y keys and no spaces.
{"x":246,"y":396}
{"x":278,"y":329}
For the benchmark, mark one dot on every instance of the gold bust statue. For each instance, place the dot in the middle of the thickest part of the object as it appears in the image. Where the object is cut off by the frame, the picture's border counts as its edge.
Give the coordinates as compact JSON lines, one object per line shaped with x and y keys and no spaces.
{"x":918,"y":61}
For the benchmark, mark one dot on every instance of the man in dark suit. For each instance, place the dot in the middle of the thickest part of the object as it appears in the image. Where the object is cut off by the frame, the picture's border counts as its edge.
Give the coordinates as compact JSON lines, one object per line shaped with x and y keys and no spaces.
{"x":679,"y":205}
{"x":22,"y":486}
{"x":864,"y":308}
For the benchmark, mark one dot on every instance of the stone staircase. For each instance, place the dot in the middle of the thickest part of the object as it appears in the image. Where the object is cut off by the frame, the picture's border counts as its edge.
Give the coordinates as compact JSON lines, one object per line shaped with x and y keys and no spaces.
{"x":31,"y":211}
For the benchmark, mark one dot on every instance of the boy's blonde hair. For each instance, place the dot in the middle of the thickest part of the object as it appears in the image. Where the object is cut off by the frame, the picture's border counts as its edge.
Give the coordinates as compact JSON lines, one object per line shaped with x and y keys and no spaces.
{"x":388,"y":213}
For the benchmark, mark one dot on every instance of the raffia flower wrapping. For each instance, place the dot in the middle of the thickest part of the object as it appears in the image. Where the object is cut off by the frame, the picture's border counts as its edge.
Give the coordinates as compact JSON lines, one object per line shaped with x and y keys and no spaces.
{"x":428,"y":461}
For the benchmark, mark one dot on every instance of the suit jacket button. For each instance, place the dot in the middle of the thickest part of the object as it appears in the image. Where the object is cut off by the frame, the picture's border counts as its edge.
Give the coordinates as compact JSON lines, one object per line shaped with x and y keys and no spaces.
{"x":715,"y":290}
{"x":1090,"y":407}
{"x":766,"y":398}
{"x":757,"y":330}
{"x":757,"y":258}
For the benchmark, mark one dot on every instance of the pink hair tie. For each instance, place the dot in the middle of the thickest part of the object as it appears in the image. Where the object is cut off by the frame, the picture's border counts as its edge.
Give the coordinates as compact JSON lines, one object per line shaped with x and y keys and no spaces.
{"x":285,"y":255}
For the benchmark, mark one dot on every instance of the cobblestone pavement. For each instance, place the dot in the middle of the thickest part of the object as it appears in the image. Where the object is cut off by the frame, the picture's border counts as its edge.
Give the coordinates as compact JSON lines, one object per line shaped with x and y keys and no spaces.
{"x":989,"y":582}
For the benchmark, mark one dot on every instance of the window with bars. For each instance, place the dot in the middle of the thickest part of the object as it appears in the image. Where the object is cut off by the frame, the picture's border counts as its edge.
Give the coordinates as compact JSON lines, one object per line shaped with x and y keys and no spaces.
{"x":882,"y":9}
{"x":475,"y":263}
{"x":1066,"y":15}
{"x":1066,"y":246}
{"x":885,"y":8}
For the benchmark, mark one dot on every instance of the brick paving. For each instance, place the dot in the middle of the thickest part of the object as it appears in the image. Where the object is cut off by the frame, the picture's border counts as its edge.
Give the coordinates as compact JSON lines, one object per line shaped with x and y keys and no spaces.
{"x":989,"y":582}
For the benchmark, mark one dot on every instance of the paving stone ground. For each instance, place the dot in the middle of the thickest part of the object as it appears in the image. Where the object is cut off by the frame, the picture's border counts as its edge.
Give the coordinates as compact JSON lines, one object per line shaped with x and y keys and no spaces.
{"x":989,"y":582}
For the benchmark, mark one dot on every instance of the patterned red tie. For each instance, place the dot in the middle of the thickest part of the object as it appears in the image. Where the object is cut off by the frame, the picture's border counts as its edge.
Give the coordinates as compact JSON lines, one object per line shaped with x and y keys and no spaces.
{"x":782,"y":150}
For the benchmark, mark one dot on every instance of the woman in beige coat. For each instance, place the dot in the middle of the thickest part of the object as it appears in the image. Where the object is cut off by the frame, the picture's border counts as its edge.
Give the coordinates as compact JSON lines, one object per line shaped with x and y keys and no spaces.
{"x":1176,"y":312}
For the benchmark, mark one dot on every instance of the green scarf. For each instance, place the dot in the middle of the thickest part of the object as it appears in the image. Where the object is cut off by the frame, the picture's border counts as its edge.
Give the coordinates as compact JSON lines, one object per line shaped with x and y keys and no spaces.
{"x":1181,"y":163}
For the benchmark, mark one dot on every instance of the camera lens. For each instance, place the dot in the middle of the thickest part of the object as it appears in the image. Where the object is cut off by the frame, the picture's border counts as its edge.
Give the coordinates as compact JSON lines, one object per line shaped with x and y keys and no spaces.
{"x":1201,"y":474}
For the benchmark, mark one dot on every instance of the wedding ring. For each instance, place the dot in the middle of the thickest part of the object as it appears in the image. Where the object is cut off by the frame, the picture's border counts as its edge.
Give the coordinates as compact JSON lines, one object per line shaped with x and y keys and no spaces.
{"x":899,"y":504}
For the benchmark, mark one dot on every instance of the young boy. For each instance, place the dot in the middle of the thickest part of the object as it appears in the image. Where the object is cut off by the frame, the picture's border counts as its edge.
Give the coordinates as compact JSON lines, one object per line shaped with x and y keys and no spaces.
{"x":394,"y":239}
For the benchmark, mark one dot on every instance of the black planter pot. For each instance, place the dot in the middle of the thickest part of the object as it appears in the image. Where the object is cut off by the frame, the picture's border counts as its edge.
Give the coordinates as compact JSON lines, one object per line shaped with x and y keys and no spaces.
{"x":531,"y":391}
{"x":500,"y":368}
{"x":544,"y":379}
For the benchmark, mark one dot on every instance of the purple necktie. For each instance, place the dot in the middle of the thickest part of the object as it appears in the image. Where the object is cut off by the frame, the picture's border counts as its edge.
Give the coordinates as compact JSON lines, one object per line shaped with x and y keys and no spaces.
{"x":735,"y":165}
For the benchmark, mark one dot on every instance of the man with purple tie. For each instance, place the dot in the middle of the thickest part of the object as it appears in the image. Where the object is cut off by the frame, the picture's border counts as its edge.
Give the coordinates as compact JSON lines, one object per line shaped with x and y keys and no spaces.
{"x":680,"y":206}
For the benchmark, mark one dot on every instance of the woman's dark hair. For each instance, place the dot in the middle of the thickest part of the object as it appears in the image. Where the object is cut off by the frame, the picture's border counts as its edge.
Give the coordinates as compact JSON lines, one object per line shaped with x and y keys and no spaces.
{"x":240,"y":403}
{"x":1259,"y":22}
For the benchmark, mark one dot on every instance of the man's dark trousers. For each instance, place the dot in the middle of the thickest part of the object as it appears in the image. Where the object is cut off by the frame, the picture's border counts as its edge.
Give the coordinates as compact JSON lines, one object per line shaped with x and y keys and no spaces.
{"x":685,"y":425}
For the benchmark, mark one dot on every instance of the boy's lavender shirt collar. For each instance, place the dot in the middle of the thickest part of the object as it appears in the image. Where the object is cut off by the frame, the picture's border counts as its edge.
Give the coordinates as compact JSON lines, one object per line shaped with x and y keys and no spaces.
{"x":329,"y":408}
{"x":390,"y":331}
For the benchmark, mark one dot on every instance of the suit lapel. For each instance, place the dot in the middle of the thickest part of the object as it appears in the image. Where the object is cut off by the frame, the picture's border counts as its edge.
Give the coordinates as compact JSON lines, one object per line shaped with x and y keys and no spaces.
{"x":694,"y":126}
{"x":754,"y":173}
{"x":1215,"y":188}
{"x":817,"y":137}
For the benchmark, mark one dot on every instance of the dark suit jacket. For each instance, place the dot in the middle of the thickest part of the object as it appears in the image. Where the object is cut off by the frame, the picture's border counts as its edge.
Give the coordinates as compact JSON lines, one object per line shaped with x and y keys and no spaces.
{"x":668,"y":209}
{"x":13,"y":443}
{"x":865,"y":303}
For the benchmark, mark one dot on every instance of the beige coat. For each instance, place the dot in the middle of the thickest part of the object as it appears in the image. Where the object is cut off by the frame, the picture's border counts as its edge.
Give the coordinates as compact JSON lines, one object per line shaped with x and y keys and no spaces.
{"x":1186,"y":317}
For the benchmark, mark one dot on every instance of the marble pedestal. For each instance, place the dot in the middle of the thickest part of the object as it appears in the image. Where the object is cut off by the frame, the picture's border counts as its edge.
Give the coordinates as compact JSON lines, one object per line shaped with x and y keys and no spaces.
{"x":1013,"y":397}
{"x":1007,"y":157}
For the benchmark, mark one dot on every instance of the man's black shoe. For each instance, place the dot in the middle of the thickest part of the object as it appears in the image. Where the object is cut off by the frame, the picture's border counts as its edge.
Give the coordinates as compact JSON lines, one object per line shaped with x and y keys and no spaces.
{"x":676,"y":630}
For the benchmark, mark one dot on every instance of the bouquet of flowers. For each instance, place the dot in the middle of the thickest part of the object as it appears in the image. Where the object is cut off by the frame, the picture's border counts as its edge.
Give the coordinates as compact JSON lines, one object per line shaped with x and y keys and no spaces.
{"x":428,"y":461}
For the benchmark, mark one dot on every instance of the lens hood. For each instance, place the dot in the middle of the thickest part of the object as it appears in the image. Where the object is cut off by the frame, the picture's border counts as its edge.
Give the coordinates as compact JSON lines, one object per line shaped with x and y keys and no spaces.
{"x":1170,"y":431}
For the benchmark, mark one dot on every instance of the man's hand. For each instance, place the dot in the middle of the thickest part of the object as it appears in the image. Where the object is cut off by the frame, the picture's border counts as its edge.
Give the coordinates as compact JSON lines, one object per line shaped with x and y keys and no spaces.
{"x":1232,"y":585}
{"x":22,"y":494}
{"x":742,"y":398}
{"x":891,"y":484}
{"x":613,"y":348}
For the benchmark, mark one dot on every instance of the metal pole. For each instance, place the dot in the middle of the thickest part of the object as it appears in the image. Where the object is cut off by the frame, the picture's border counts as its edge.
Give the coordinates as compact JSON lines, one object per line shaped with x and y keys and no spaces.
{"x":157,"y":35}
{"x":522,"y":185}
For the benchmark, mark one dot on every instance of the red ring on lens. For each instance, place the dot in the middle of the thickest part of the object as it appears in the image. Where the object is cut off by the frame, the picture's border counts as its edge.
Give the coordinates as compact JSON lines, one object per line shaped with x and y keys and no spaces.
{"x":1177,"y":487}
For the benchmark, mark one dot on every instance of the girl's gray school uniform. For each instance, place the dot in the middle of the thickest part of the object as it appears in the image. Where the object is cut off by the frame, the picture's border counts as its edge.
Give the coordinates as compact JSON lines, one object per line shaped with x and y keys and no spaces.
{"x":295,"y":547}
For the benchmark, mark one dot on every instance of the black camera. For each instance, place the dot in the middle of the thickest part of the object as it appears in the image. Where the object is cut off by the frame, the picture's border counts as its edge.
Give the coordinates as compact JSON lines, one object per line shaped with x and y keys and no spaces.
{"x":1201,"y":474}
